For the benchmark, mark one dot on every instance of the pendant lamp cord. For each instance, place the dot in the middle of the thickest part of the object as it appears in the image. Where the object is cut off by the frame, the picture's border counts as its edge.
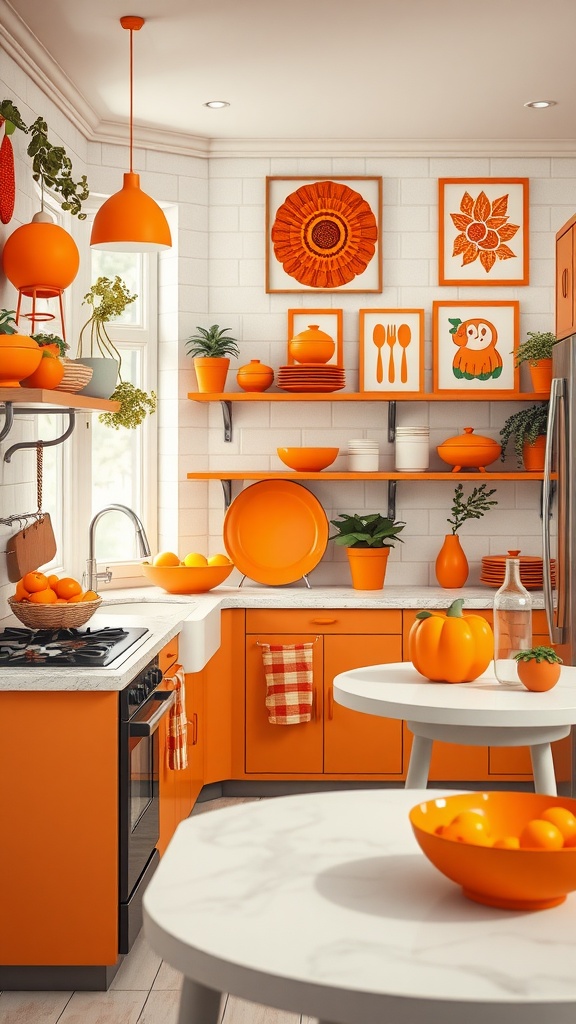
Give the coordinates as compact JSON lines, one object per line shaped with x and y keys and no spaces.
{"x":131,"y":94}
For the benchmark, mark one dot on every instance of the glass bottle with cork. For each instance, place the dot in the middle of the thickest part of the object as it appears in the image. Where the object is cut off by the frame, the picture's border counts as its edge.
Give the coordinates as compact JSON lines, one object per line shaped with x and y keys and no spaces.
{"x":512,"y":622}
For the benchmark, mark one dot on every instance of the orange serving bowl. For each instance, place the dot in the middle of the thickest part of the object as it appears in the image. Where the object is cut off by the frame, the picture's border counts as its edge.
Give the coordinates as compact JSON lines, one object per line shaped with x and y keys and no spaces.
{"x":469,"y":450}
{"x":513,"y":879}
{"x":184,"y":579}
{"x":308,"y":460}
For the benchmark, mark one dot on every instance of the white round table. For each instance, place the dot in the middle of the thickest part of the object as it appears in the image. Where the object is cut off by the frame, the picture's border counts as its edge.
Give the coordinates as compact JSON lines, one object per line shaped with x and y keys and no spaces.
{"x":481,"y":713}
{"x":323,"y":904}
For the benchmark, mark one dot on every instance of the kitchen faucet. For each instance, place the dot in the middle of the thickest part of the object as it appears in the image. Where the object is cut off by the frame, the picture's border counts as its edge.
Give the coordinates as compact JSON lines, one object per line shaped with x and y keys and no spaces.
{"x":92,"y":576}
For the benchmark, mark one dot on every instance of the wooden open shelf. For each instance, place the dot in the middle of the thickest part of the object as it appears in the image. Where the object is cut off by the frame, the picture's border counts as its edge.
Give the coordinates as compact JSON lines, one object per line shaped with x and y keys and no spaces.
{"x":362,"y":396}
{"x":41,"y":396}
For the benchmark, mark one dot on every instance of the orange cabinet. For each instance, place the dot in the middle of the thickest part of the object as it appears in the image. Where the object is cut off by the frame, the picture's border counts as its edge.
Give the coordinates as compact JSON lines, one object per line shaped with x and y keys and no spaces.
{"x":565,"y":277}
{"x":336,"y":742}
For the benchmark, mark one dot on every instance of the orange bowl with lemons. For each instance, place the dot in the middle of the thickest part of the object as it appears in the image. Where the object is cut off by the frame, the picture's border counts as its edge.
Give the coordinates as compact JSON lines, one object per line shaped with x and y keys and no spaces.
{"x":504,"y":875}
{"x":187,"y":579}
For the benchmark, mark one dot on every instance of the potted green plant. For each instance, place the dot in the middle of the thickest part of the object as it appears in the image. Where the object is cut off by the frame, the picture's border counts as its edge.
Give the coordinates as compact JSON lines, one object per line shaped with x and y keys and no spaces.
{"x":528,"y":427}
{"x":108,"y":299}
{"x":19,"y":353}
{"x":538,"y":668}
{"x":451,"y":563}
{"x":52,"y":342}
{"x":537,"y":352}
{"x":211,"y":349}
{"x":367,"y":539}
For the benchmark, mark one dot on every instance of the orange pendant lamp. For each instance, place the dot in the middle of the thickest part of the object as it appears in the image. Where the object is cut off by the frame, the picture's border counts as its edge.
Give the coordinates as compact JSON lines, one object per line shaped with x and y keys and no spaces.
{"x":130,"y":220}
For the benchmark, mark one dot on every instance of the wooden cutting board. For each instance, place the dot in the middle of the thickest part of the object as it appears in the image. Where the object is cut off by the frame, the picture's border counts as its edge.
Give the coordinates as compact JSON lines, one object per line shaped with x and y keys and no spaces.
{"x":29,"y":548}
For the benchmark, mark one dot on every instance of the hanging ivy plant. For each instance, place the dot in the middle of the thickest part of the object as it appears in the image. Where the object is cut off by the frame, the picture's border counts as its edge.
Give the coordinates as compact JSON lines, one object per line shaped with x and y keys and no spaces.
{"x":134,"y":406}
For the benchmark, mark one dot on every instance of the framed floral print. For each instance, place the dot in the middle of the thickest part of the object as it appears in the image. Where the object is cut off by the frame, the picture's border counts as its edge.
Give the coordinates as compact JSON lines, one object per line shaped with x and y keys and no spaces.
{"x":323,"y":235}
{"x":483,"y":231}
{"x":473,"y":348}
{"x":328,"y":320}
{"x":391,"y":350}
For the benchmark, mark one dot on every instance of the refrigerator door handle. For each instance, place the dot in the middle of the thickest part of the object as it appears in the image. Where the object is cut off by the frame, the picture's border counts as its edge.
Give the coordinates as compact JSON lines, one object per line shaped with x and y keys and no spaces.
{"x":555,"y":629}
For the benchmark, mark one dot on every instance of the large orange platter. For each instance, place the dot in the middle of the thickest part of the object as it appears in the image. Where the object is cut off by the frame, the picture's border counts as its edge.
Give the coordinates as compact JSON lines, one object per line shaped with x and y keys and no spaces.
{"x":275,"y":531}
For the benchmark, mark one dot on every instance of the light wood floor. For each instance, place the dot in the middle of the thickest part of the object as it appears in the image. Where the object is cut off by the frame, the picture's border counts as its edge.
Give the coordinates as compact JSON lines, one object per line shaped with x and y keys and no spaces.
{"x":145,"y":991}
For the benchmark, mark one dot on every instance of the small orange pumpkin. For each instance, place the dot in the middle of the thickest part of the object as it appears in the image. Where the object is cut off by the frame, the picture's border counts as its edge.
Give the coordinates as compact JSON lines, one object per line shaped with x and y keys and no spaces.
{"x":538,"y":668}
{"x":449,"y":646}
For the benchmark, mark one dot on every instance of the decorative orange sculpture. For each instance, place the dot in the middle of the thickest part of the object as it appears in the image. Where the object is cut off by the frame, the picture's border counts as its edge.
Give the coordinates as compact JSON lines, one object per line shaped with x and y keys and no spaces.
{"x":324,"y":234}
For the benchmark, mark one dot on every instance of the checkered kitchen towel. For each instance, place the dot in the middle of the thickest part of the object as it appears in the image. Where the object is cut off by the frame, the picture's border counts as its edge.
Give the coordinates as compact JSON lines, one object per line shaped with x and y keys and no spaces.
{"x":177,"y":723}
{"x":288,"y":669}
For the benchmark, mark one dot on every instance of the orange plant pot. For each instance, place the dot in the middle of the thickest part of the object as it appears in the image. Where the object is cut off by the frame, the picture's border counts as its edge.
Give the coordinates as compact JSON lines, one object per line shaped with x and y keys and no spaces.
{"x":19,"y":357}
{"x":533,"y":455}
{"x":40,"y":254}
{"x":49,"y":373}
{"x":368,"y":567}
{"x":211,"y":374}
{"x":538,"y":675}
{"x":451,"y":564}
{"x":541,"y":374}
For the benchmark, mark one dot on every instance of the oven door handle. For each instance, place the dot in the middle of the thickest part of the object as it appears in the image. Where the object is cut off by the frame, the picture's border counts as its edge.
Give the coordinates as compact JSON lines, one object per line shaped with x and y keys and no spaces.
{"x":147,"y":727}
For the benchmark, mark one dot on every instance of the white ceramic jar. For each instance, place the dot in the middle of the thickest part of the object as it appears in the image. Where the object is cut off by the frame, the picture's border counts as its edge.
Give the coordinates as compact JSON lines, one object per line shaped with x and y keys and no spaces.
{"x":363,"y":456}
{"x":412,"y":449}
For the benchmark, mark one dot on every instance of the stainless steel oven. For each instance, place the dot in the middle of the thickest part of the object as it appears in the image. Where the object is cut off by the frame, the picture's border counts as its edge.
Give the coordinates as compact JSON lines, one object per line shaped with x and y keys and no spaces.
{"x":142,"y":707}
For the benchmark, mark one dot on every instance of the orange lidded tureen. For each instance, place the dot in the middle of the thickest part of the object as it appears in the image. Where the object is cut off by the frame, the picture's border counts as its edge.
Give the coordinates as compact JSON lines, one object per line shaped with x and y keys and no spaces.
{"x":469,"y":451}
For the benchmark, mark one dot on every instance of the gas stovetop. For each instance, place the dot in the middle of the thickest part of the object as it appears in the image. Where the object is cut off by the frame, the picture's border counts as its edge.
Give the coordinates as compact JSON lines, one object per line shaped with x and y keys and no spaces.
{"x":82,"y":648}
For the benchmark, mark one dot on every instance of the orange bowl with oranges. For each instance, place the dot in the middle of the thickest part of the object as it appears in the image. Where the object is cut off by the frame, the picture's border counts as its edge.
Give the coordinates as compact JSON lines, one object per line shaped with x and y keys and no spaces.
{"x":52,"y":602}
{"x":517,"y":864}
{"x":184,"y":579}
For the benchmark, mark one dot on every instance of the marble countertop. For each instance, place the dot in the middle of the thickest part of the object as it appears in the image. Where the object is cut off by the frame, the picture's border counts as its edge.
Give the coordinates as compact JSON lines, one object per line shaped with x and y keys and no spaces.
{"x":196,"y":618}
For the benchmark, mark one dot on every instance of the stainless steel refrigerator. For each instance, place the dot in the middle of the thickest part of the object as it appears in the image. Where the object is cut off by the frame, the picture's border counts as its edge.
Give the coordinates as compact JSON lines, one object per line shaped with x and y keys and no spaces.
{"x":559,"y":506}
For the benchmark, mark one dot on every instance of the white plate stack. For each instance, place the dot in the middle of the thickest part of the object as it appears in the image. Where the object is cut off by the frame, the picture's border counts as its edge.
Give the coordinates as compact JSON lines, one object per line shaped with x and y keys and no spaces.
{"x":363,"y":455}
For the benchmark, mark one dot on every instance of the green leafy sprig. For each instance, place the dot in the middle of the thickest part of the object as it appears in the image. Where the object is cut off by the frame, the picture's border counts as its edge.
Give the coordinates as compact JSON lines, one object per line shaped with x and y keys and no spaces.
{"x":539,"y":654}
{"x":212,"y":343}
{"x":7,"y":321}
{"x":372,"y":531}
{"x":473,"y":507}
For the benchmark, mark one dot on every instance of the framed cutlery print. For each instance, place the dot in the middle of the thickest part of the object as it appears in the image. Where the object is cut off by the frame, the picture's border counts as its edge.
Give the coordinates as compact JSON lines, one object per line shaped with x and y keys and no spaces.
{"x":391,"y":350}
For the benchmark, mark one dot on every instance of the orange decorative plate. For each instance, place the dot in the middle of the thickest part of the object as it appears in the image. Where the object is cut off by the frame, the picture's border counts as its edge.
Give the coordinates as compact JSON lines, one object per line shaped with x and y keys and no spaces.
{"x":275,"y":531}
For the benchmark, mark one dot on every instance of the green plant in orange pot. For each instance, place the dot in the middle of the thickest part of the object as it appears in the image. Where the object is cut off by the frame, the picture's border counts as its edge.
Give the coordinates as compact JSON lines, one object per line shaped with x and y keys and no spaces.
{"x":211,"y":349}
{"x":367,"y":540}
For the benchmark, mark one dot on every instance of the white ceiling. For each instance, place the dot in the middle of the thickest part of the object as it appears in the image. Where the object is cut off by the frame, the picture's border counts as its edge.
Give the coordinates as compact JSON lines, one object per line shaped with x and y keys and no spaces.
{"x":406,"y":70}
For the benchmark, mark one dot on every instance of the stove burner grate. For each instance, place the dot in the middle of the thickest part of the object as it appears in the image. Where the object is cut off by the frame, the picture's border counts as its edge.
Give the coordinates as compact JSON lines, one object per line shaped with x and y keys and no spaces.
{"x":58,"y":647}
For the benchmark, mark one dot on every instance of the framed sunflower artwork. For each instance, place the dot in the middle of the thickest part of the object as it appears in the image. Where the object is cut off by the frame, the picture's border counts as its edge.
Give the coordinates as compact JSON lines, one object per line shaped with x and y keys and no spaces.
{"x":483,"y":231}
{"x":323,"y":235}
{"x":473,"y":348}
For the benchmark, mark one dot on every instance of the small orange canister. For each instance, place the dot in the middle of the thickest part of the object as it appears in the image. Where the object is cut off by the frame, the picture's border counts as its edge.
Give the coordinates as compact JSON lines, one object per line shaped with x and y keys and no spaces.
{"x":255,"y":376}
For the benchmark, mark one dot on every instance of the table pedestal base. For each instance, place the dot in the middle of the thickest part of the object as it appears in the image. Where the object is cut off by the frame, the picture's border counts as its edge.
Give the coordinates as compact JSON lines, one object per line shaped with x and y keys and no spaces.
{"x":538,"y":738}
{"x":198,"y":1004}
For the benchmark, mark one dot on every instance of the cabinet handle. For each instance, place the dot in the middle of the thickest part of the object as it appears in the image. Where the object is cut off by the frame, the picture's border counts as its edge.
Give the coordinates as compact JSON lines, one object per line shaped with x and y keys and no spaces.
{"x":314,"y":704}
{"x":324,"y":622}
{"x":330,"y":704}
{"x":194,"y":723}
{"x":565,"y":283}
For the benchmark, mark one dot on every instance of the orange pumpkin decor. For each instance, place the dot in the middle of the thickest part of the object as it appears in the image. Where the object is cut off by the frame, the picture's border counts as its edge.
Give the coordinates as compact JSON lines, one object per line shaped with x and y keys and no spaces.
{"x":477,"y":356}
{"x":484,"y":230}
{"x":48,"y":374}
{"x":324,"y":234}
{"x":449,"y":646}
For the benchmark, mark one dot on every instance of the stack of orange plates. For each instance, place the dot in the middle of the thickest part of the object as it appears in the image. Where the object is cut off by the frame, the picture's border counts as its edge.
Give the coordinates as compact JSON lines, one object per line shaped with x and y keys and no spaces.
{"x":531,"y":571}
{"x":311,"y":377}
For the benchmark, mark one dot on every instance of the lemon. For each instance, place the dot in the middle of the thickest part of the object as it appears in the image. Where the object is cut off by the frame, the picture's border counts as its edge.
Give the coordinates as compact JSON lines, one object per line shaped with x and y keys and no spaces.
{"x":194,"y":559}
{"x":166,"y":558}
{"x":218,"y":560}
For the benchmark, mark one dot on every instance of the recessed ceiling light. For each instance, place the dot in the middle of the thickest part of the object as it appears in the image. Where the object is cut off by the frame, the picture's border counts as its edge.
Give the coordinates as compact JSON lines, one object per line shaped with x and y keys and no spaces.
{"x":540,"y":104}
{"x":216,"y":104}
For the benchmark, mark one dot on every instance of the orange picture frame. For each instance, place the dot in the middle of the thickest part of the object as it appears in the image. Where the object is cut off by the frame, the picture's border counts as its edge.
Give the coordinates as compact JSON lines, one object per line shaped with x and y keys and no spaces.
{"x":473,"y":348}
{"x":391,"y":356}
{"x":324,"y":234}
{"x":328,"y":320}
{"x":483,"y":231}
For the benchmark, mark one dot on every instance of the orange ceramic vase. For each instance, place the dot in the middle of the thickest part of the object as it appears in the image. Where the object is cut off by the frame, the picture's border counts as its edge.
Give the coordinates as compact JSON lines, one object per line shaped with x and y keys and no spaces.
{"x":368,"y":567}
{"x":541,"y":374}
{"x":211,"y":374}
{"x":533,"y":455}
{"x":538,"y":675}
{"x":451,"y":563}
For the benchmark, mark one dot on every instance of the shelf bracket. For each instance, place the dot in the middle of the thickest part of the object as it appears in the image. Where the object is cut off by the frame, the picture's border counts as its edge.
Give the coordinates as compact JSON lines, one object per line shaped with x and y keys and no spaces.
{"x":227,"y":417}
{"x":227,"y":488}
{"x":391,"y":422}
{"x":33,"y":411}
{"x":392,"y":500}
{"x":8,"y":420}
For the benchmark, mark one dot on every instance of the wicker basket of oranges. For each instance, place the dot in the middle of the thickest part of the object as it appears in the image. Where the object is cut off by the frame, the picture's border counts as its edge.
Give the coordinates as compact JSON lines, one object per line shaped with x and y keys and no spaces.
{"x":52,"y":602}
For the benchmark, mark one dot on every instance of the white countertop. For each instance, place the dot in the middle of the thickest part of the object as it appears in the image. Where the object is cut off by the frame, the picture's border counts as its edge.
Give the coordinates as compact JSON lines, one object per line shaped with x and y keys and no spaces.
{"x":197,"y":617}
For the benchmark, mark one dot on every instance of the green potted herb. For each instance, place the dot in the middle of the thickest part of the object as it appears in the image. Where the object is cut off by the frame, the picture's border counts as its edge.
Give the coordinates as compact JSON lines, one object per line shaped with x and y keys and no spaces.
{"x":528,"y":427}
{"x":367,"y":540}
{"x":19,"y":353}
{"x":537,"y":352}
{"x":538,"y":668}
{"x":108,"y":299}
{"x":451,"y":563}
{"x":211,"y":349}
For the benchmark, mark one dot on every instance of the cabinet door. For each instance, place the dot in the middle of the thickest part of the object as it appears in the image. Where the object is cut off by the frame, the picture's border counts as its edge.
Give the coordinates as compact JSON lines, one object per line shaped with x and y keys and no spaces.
{"x":565,"y":284}
{"x":290,"y":749}
{"x":193,"y":777}
{"x":355,"y":743}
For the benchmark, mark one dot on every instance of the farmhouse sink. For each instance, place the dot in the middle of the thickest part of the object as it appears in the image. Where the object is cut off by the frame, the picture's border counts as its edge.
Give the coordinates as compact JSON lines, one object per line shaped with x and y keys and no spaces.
{"x":198,"y":621}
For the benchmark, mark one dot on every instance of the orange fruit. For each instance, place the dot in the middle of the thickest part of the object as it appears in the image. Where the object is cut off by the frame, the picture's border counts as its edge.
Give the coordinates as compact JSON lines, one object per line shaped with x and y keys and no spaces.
{"x":564,"y":820}
{"x":541,"y":835}
{"x":35,"y":581}
{"x":67,"y":587}
{"x":166,"y":558}
{"x":46,"y":596}
{"x":60,"y":600}
{"x":75,"y":598}
{"x":218,"y":560}
{"x":48,"y":374}
{"x":21,"y":594}
{"x":90,"y":595}
{"x":194,"y":560}
{"x":507,"y":843}
{"x":468,"y":827}
{"x":52,"y":581}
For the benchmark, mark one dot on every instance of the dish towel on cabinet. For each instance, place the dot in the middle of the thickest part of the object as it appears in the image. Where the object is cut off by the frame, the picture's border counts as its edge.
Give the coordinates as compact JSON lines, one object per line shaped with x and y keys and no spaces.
{"x":288,"y":670}
{"x":177,"y":723}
